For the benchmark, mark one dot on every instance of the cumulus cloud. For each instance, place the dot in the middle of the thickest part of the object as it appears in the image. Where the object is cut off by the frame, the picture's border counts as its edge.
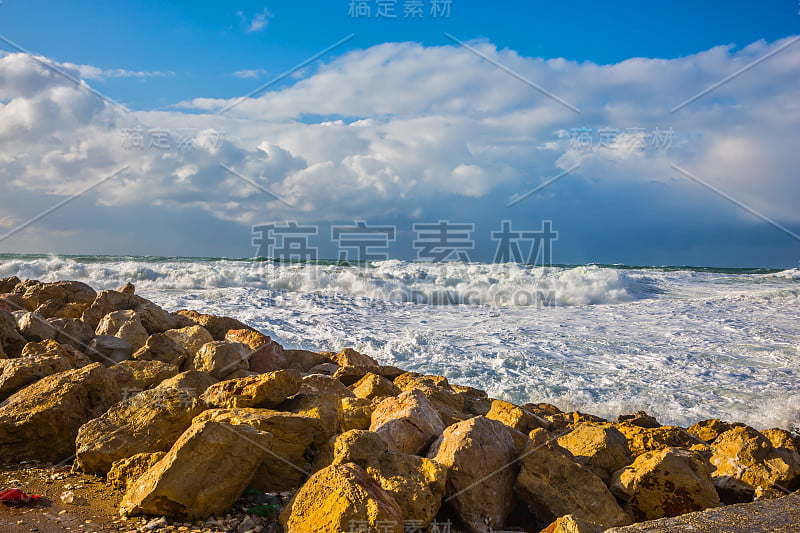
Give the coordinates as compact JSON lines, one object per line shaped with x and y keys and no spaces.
{"x":400,"y":129}
{"x":257,"y":22}
{"x":251,"y":74}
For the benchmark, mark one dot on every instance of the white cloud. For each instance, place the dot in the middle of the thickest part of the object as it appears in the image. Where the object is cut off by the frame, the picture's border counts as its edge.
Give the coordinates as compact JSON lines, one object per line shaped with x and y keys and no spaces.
{"x":257,"y":22}
{"x":251,"y":74}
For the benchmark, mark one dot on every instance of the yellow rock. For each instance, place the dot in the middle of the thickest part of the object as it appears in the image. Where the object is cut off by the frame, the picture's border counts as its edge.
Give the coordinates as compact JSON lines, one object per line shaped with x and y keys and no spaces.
{"x":408,"y":422}
{"x":374,"y":386}
{"x":357,"y":413}
{"x":600,"y":448}
{"x":515,"y":417}
{"x":191,"y":338}
{"x":571,"y":524}
{"x":262,"y":390}
{"x":642,"y":440}
{"x":125,"y":472}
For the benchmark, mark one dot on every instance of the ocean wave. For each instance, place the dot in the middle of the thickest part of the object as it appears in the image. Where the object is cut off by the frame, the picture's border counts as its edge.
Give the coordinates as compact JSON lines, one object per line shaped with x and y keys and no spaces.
{"x":501,"y":285}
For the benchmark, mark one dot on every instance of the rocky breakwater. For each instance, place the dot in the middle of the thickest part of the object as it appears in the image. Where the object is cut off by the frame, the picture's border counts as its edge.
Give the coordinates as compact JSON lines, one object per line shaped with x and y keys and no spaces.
{"x":187,"y":411}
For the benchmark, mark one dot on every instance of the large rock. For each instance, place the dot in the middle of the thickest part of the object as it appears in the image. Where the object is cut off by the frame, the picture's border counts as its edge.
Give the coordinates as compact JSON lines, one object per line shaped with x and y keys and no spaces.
{"x":262,"y":390}
{"x":154,"y":318}
{"x":8,"y":284}
{"x":350,"y":357}
{"x":126,"y":471}
{"x":51,"y":348}
{"x":11,"y":339}
{"x":140,"y":375}
{"x":743,"y":460}
{"x":109,"y":350}
{"x":191,"y":338}
{"x":571,"y":524}
{"x":107,"y":302}
{"x":41,"y":421}
{"x":320,"y":384}
{"x":34,"y":327}
{"x":642,"y":440}
{"x":203,"y":473}
{"x":480,"y":458}
{"x":448,"y":403}
{"x":221,"y":358}
{"x":780,"y":438}
{"x":665,"y":483}
{"x":515,"y":417}
{"x":408,"y":422}
{"x":350,"y":375}
{"x":561,"y":421}
{"x":18,"y":373}
{"x":73,"y":332}
{"x":304,"y":360}
{"x":193,"y":382}
{"x":374,"y":386}
{"x":553,"y":484}
{"x":58,"y":299}
{"x":357,"y":413}
{"x":286,"y":464}
{"x":267,"y":355}
{"x":217,"y":326}
{"x":124,"y":325}
{"x":326,"y":408}
{"x":150,"y":421}
{"x":160,"y":347}
{"x":709,"y":430}
{"x":415,"y":483}
{"x":600,"y":448}
{"x":342,"y":497}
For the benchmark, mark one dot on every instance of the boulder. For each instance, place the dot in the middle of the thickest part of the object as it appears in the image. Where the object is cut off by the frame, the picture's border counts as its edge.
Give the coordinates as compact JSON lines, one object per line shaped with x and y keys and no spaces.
{"x":342,"y":497}
{"x":160,"y":347}
{"x":642,"y":440}
{"x":478,"y":406}
{"x":665,"y":483}
{"x":352,"y":374}
{"x":572,"y":524}
{"x":124,"y":325}
{"x":52,"y":348}
{"x":480,"y":459}
{"x":780,"y":438}
{"x":326,"y":369}
{"x":21,"y":372}
{"x":357,"y":413}
{"x":326,"y":408}
{"x":350,"y":357}
{"x":41,"y":421}
{"x":449,"y":404}
{"x":194,"y":382}
{"x":73,"y":332}
{"x":600,"y":448}
{"x":408,"y":422}
{"x":191,"y":338}
{"x":8,"y":284}
{"x":515,"y":417}
{"x":128,"y":288}
{"x":743,"y":459}
{"x":267,"y":355}
{"x":34,"y":327}
{"x":262,"y":390}
{"x":553,"y":484}
{"x":639,"y":418}
{"x":125,"y":472}
{"x":154,"y":319}
{"x":320,"y":384}
{"x":140,"y":375}
{"x":285,"y":466}
{"x":11,"y":339}
{"x":415,"y":483}
{"x":304,"y":359}
{"x":107,"y":302}
{"x":709,"y":430}
{"x":203,"y":473}
{"x":150,"y":421}
{"x":52,"y":298}
{"x":217,"y":326}
{"x":374,"y":386}
{"x":221,"y":358}
{"x":562,"y":421}
{"x":109,"y":350}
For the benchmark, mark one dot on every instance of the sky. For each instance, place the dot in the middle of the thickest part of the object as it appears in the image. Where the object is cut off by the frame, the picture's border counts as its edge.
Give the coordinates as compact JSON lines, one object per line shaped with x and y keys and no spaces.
{"x":648,"y":134}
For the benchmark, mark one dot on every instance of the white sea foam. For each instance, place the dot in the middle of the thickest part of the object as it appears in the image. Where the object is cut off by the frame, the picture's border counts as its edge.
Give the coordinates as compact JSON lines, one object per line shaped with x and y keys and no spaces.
{"x":684,"y":345}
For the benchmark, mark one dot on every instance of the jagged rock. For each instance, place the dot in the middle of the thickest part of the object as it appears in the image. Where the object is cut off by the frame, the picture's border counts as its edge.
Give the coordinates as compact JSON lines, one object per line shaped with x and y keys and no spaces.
{"x":217,"y":326}
{"x":124,"y":325}
{"x":480,"y":458}
{"x":326,"y":369}
{"x":357,"y":413}
{"x":160,"y":347}
{"x":154,"y":319}
{"x":352,"y":374}
{"x":415,"y":483}
{"x":11,"y":302}
{"x":41,"y":421}
{"x":221,"y":358}
{"x":193,"y":381}
{"x":350,"y":357}
{"x":304,"y":359}
{"x":562,"y":421}
{"x":639,"y":418}
{"x":140,"y":375}
{"x":407,"y":422}
{"x":542,"y":409}
{"x":11,"y":340}
{"x":320,"y":384}
{"x":18,"y":373}
{"x":191,"y":338}
{"x":780,"y":438}
{"x":285,"y":466}
{"x":267,"y":355}
{"x":665,"y":483}
{"x":478,"y":406}
{"x":600,"y":448}
{"x":8,"y":284}
{"x":109,"y":350}
{"x":709,"y":430}
{"x":107,"y":302}
{"x":571,"y":524}
{"x":53,"y":348}
{"x":262,"y":390}
{"x":339,"y":498}
{"x":128,"y":288}
{"x":150,"y":421}
{"x":374,"y":386}
{"x":203,"y":473}
{"x":326,"y":408}
{"x":34,"y":327}
{"x":73,"y":332}
{"x":50,"y":299}
{"x":449,"y":404}
{"x":553,"y":484}
{"x":744,"y":459}
{"x":125,"y":472}
{"x":642,"y":440}
{"x":515,"y":417}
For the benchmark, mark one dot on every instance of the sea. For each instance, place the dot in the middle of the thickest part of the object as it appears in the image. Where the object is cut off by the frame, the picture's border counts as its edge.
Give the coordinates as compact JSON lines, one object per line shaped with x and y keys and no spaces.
{"x":682,"y":343}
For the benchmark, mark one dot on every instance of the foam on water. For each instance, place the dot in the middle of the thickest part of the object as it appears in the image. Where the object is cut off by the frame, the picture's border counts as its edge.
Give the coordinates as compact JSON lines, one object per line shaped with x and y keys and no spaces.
{"x":680,"y":343}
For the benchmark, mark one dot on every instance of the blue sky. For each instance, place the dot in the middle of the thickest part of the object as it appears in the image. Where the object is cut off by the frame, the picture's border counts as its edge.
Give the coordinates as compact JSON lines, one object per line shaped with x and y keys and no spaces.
{"x":402,"y":124}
